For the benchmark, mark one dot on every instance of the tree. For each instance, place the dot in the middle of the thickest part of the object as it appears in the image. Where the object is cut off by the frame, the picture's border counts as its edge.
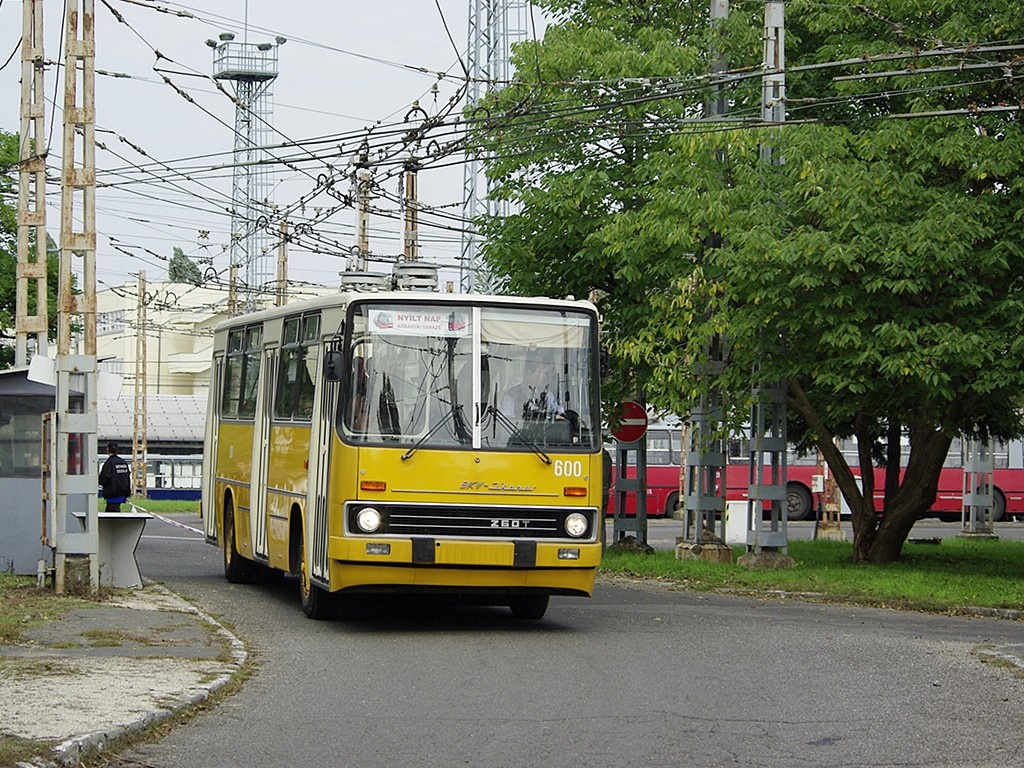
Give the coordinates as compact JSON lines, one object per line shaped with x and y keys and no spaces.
{"x":181,"y":269}
{"x":9,"y":157}
{"x":875,"y":269}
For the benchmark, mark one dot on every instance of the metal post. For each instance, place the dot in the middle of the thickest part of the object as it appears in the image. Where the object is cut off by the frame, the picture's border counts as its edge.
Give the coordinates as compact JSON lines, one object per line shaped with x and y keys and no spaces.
{"x":76,"y":561}
{"x":768,"y":444}
{"x":704,"y":485}
{"x":766,"y":486}
{"x":626,"y":487}
{"x":979,"y":465}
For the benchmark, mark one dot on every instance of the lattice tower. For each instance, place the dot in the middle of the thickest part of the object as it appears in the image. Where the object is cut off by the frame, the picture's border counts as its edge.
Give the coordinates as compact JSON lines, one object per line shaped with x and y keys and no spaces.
{"x":251,"y":68}
{"x":494,"y":27}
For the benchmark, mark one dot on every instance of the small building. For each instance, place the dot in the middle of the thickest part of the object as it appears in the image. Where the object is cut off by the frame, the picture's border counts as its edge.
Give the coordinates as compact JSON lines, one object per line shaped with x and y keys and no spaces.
{"x":22,"y":405}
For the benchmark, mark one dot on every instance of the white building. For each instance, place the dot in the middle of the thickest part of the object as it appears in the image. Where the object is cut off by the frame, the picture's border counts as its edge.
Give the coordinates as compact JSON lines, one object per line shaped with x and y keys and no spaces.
{"x":177,"y":337}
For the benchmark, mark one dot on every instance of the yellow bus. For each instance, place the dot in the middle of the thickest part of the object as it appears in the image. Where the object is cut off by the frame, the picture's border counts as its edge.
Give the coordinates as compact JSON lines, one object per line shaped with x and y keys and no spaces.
{"x":408,"y":440}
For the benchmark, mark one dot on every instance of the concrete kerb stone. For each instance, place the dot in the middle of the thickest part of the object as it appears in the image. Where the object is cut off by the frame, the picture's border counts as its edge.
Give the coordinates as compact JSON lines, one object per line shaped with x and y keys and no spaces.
{"x":74,"y":750}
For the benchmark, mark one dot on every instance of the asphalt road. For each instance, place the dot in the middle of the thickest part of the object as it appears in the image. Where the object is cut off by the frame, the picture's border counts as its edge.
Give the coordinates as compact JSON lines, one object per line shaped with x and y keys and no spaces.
{"x":639,"y":675}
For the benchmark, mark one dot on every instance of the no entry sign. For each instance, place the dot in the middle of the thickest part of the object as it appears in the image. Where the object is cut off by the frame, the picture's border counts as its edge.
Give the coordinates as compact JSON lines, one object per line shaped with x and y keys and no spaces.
{"x":633,"y":424}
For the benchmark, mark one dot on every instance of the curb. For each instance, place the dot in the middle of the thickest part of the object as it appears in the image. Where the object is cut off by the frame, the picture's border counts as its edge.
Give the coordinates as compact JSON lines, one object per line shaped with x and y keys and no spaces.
{"x":72,"y":751}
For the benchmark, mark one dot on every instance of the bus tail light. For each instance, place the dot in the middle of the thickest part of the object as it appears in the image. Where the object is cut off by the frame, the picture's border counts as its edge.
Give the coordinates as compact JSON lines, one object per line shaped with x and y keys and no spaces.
{"x":373,"y":485}
{"x":574,"y":490}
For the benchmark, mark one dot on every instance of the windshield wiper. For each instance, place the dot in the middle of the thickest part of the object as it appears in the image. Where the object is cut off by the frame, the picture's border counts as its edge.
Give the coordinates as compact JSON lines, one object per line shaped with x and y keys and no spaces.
{"x":518,"y":433}
{"x":431,"y":432}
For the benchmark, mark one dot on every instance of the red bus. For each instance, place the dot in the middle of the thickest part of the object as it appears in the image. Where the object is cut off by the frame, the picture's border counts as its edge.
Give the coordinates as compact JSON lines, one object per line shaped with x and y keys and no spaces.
{"x":664,"y":443}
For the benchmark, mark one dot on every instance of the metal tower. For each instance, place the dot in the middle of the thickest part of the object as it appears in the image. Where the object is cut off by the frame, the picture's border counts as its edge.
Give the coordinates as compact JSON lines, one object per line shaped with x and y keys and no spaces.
{"x":494,"y":27}
{"x":252,"y":68}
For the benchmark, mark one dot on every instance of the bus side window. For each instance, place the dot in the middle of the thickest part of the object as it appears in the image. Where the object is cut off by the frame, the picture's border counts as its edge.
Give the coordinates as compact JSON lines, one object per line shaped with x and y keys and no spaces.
{"x":251,"y":373}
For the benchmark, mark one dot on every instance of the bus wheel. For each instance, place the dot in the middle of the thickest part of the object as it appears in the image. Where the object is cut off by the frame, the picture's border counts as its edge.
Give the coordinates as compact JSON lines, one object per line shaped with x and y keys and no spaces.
{"x":316,"y":602}
{"x":237,"y":569}
{"x":998,"y":505}
{"x":798,"y":502}
{"x":528,"y":607}
{"x":670,"y":505}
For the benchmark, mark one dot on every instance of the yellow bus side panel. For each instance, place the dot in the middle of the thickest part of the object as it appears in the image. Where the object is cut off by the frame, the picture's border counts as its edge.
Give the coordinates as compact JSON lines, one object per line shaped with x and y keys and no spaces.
{"x":287,"y":478}
{"x":234,"y":458}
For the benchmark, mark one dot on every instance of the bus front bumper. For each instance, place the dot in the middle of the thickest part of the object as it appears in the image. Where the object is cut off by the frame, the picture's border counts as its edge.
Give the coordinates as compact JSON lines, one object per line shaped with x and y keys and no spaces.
{"x":557,"y":567}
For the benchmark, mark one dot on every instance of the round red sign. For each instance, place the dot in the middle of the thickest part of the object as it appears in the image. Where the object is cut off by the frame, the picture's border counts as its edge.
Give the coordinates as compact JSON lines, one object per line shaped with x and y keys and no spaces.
{"x":633,"y":423}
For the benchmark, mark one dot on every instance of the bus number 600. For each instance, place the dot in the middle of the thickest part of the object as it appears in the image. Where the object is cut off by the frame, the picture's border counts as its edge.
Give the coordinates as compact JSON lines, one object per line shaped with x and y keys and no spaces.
{"x":568,"y":468}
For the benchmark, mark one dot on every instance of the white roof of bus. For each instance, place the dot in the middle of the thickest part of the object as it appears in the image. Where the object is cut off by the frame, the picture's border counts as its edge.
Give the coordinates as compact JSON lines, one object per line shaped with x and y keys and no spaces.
{"x":347,"y":297}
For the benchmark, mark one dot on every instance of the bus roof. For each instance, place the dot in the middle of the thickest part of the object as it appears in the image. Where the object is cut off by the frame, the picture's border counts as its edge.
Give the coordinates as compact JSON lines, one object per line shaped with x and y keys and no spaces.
{"x":344,"y":298}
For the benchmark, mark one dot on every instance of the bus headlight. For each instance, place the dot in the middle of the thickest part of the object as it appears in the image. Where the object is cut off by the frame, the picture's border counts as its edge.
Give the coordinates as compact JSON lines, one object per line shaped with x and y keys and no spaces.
{"x":576,"y":525}
{"x":369,"y":519}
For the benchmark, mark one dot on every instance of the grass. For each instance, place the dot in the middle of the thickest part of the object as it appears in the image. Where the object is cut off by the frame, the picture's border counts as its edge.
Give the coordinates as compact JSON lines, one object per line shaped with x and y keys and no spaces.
{"x":14,"y":750}
{"x":956,"y":574}
{"x":23,"y":606}
{"x":160,"y":506}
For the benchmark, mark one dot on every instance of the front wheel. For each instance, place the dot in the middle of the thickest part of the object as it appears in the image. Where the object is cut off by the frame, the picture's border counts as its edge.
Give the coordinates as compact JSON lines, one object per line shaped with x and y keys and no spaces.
{"x":998,"y":506}
{"x":671,"y":504}
{"x":529,"y":607}
{"x":237,"y":569}
{"x":316,"y":601}
{"x":798,"y":502}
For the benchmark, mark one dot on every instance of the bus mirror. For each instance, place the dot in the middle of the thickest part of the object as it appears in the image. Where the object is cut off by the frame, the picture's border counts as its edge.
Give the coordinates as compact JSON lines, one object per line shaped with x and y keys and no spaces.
{"x":605,"y":363}
{"x":332,"y":365}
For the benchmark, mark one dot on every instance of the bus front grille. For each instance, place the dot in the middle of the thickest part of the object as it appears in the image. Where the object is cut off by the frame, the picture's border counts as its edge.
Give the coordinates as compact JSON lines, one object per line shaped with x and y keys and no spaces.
{"x":470,"y":521}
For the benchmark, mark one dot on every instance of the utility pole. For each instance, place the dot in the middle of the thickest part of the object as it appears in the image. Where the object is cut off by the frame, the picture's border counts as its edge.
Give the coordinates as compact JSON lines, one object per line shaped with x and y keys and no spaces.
{"x":140,"y":417}
{"x":704,"y":475}
{"x":364,"y":195}
{"x":768,"y":540}
{"x":76,"y":561}
{"x":282,"y":264}
{"x":232,"y":290}
{"x":31,"y":271}
{"x":411,"y":201}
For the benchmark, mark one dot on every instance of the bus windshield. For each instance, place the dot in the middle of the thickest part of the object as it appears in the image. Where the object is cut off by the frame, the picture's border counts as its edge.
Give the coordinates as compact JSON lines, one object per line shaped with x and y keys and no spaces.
{"x":445,"y":376}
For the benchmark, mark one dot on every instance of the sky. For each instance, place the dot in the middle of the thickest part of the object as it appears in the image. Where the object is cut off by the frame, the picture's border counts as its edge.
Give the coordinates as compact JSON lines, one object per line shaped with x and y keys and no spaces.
{"x":347,"y":71}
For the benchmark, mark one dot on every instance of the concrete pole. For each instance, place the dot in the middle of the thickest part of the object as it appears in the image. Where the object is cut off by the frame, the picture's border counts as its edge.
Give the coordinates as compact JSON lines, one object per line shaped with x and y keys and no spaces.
{"x":31,"y":270}
{"x":76,"y":561}
{"x":140,"y":413}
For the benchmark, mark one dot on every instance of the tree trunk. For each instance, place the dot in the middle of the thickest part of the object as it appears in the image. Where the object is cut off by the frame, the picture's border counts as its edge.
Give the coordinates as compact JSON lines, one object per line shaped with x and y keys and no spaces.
{"x":879,"y":538}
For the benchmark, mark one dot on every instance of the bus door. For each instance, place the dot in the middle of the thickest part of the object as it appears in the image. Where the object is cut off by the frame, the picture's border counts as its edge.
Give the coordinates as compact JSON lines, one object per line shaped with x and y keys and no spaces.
{"x":260,"y":454}
{"x":209,"y":493}
{"x":320,"y":441}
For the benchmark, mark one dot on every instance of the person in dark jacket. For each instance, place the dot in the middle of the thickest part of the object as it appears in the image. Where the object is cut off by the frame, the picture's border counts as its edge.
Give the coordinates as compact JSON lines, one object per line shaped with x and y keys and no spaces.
{"x":115,"y":479}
